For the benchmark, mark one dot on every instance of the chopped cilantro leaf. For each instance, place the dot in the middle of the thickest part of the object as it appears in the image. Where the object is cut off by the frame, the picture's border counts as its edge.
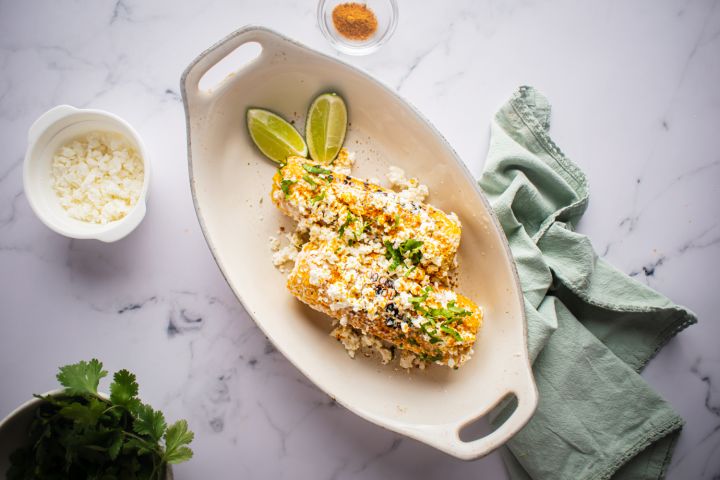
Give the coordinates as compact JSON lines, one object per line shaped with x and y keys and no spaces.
{"x":410,"y":270}
{"x":392,"y":253}
{"x":410,"y":248}
{"x":456,"y":335}
{"x":316,"y":169}
{"x":432,"y":333}
{"x":312,"y":182}
{"x":285,"y":186}
{"x":318,"y":198}
{"x":416,"y":301}
{"x":431,"y":358}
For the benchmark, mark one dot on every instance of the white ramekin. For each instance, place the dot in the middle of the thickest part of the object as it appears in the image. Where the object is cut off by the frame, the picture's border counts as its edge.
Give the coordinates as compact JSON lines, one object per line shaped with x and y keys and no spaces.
{"x":53,"y":129}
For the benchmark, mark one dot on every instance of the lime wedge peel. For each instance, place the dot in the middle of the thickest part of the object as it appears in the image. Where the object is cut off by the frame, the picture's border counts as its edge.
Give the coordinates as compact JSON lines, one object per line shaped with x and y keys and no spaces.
{"x":275,"y":138}
{"x":325,"y":127}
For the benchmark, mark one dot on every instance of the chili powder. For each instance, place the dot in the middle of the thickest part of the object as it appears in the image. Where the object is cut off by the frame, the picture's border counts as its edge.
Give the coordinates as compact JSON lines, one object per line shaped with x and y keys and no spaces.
{"x":354,"y":21}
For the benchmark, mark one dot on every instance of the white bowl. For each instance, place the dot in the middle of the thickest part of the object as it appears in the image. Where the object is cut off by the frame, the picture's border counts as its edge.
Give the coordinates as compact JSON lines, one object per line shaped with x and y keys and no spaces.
{"x":14,"y":430}
{"x":55,"y":128}
{"x":230,"y":179}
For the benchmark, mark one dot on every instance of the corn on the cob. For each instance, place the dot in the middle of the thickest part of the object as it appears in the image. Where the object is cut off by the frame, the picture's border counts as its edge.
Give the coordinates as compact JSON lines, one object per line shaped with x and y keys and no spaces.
{"x":353,"y":284}
{"x":417,"y":235}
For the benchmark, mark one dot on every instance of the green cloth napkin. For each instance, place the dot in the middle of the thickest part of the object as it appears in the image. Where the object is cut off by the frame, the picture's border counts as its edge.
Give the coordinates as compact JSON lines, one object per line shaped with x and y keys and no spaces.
{"x":591,"y":328}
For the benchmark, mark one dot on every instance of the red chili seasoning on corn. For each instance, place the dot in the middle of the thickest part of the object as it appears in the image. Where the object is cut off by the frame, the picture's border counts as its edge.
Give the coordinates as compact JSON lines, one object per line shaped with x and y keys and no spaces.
{"x":354,"y":21}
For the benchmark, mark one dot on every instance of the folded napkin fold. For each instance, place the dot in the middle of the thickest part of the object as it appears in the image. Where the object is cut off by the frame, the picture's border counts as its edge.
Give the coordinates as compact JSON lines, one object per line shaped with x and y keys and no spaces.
{"x":591,"y":328}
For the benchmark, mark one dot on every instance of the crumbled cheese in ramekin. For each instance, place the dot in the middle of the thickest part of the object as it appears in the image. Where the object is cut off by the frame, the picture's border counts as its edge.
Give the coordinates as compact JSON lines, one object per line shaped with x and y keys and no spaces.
{"x":98,"y":178}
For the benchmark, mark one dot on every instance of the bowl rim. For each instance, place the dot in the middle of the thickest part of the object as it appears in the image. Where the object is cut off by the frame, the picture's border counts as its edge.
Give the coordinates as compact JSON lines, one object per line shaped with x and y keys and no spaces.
{"x":32,"y":402}
{"x":112,"y":231}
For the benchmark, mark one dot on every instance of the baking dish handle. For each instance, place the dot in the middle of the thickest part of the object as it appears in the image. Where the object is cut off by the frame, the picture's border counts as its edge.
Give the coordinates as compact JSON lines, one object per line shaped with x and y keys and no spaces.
{"x":447,"y":437}
{"x":190,"y":80}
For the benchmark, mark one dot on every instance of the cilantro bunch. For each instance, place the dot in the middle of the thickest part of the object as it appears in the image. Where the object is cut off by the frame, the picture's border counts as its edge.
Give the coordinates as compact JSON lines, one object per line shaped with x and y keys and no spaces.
{"x":81,"y":435}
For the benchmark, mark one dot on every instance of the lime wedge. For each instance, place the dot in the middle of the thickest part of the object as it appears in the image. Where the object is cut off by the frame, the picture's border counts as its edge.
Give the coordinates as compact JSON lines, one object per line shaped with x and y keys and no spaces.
{"x":275,"y":137}
{"x":325,"y":127}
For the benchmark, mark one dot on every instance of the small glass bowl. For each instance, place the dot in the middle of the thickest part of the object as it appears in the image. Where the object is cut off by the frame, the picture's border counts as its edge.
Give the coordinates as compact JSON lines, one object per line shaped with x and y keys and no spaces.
{"x":386,"y":12}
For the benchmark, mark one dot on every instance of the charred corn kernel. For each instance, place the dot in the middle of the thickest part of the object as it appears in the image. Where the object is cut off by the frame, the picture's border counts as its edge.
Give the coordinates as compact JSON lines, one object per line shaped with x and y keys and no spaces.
{"x":413,"y":233}
{"x":352,"y":284}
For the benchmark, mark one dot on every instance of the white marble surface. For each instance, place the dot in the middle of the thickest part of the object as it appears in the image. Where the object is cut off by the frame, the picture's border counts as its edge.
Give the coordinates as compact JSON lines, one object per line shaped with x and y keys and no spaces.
{"x":636,"y":105}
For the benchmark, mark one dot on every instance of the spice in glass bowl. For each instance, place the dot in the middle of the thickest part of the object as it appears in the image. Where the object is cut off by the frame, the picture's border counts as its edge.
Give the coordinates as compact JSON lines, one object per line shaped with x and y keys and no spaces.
{"x":354,"y":21}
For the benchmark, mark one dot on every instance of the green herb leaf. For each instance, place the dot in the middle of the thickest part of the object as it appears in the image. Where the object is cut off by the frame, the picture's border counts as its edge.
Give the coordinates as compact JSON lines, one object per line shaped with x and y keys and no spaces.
{"x":123,"y":389}
{"x":456,"y":335}
{"x":149,"y":422}
{"x":416,"y":301}
{"x":138,"y":446}
{"x":392,"y":253}
{"x":410,"y":248}
{"x":177,"y":438}
{"x":432,"y":333}
{"x":115,"y":446}
{"x":318,"y":198}
{"x":431,"y":358}
{"x":348,"y":220}
{"x":285,"y":186}
{"x":409,"y":245}
{"x":316,"y":169}
{"x":82,"y":377}
{"x":451,"y":313}
{"x":84,"y":414}
{"x":312,"y":182}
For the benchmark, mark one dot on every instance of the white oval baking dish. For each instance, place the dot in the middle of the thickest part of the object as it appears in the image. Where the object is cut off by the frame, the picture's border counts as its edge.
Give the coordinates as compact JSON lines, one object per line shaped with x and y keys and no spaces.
{"x":230,"y":184}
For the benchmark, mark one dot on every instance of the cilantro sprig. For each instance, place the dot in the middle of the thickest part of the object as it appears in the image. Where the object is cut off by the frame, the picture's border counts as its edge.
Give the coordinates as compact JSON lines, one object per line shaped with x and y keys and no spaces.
{"x":410,"y":249}
{"x":86,"y":435}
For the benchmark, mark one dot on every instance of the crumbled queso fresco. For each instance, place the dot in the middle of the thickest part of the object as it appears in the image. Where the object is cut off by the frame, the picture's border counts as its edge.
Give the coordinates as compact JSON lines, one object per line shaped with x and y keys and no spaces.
{"x":98,"y":178}
{"x":286,"y":247}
